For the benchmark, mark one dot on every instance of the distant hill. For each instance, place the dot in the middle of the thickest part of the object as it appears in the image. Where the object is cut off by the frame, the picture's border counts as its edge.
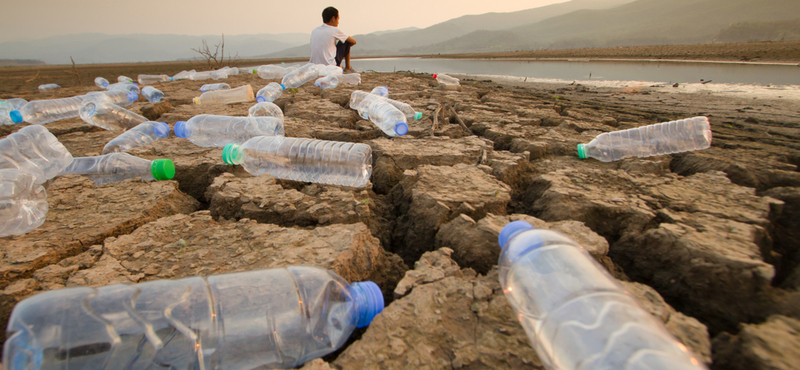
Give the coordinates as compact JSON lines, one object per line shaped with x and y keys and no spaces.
{"x":20,"y":62}
{"x":643,"y":22}
{"x":761,"y":31}
{"x":102,"y":48}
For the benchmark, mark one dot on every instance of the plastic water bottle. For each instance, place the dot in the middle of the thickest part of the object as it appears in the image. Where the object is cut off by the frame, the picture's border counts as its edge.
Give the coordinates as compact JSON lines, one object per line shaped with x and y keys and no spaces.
{"x":215,"y":131}
{"x":380,"y":91}
{"x":446,"y":80}
{"x":109,"y":116}
{"x":6,"y":106}
{"x":360,"y":101}
{"x":183,"y":75}
{"x":212,"y":87}
{"x":327,"y":82}
{"x":120,"y":166}
{"x":218,"y":74}
{"x":358,"y":97}
{"x":272,"y":72}
{"x":329,"y":70}
{"x":23,"y":203}
{"x":124,"y":86}
{"x":141,"y":135}
{"x":101,"y":82}
{"x":41,"y":112}
{"x":33,"y":149}
{"x":152,"y":94}
{"x":388,"y":118}
{"x":575,"y":314}
{"x":265,"y":319}
{"x":46,"y":87}
{"x":265,"y":109}
{"x":306,"y":160}
{"x":230,"y":71}
{"x":248,"y":70}
{"x":659,"y":139}
{"x":238,"y":95}
{"x":151,"y":79}
{"x":200,"y":76}
{"x":351,"y":78}
{"x":121,"y":98}
{"x":269,"y":93}
{"x":124,"y":79}
{"x":300,"y":76}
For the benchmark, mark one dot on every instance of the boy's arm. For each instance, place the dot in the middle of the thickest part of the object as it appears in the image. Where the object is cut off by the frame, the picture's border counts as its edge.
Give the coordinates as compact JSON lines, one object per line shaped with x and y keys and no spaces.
{"x":350,"y":40}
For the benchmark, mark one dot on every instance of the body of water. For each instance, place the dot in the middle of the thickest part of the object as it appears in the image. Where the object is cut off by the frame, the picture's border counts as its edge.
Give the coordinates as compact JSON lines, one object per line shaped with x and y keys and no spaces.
{"x":583,"y":70}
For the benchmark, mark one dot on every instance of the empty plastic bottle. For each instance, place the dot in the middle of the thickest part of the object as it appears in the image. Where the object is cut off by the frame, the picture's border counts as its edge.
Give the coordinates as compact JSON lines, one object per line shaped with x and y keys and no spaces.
{"x":23,"y":203}
{"x":659,"y":139}
{"x":141,"y":135}
{"x":121,"y":98}
{"x":183,"y":75}
{"x":361,"y":101}
{"x":248,"y":70}
{"x":42,"y":112}
{"x":575,"y":314}
{"x":33,"y":149}
{"x":151,"y":79}
{"x":120,"y":166}
{"x":215,"y":131}
{"x":6,"y":106}
{"x":380,"y":91}
{"x":269,"y":93}
{"x":277,"y":318}
{"x":328,"y":70}
{"x":327,"y":82}
{"x":388,"y":118}
{"x":307,"y":160}
{"x":109,"y":116}
{"x":101,"y":82}
{"x":212,"y":87}
{"x":360,"y":98}
{"x":446,"y":80}
{"x":199,"y":76}
{"x":218,"y":74}
{"x":265,"y":109}
{"x":273,"y":72}
{"x":124,"y":79}
{"x":300,"y":76}
{"x":350,"y":78}
{"x":152,"y":94}
{"x":238,"y":95}
{"x":124,"y":86}
{"x":231,"y":71}
{"x":46,"y":87}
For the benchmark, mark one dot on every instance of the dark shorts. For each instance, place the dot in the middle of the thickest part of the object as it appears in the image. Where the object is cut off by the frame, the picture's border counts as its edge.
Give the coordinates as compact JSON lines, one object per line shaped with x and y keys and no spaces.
{"x":342,"y":49}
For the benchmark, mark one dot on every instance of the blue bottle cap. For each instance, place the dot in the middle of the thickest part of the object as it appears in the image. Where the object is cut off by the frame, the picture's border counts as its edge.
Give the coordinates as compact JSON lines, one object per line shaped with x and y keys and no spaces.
{"x":132,"y":96}
{"x":180,"y":129}
{"x":15,"y":116}
{"x":512,"y":229}
{"x":135,"y":84}
{"x":317,"y":84}
{"x":401,"y":128}
{"x":260,"y":99}
{"x":105,"y":84}
{"x":171,"y":79}
{"x":161,"y":129}
{"x":369,"y":302}
{"x":283,"y":87}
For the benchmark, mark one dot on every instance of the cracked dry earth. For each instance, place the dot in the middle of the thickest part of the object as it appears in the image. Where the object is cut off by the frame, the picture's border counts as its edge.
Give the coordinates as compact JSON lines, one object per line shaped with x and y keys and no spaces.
{"x":707,"y":241}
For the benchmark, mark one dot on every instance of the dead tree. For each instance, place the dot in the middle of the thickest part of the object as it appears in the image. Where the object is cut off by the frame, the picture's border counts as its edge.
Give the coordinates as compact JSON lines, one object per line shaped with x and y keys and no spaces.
{"x":73,"y":72}
{"x":215,"y":59}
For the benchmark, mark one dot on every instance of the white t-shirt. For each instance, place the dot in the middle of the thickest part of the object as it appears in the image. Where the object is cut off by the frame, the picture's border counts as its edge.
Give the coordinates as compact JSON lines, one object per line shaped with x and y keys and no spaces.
{"x":323,"y":44}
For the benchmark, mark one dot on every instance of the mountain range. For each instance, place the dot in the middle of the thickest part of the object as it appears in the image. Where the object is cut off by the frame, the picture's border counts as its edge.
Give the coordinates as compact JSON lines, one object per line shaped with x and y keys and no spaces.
{"x":572,"y":24}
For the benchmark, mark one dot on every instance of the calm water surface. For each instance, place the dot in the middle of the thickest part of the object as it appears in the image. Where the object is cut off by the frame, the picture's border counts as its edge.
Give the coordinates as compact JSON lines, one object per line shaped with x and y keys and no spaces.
{"x":680,"y":72}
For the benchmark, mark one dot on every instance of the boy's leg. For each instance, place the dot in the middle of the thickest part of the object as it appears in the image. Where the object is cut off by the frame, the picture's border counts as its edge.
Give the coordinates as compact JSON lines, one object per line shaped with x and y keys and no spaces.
{"x":343,"y":53}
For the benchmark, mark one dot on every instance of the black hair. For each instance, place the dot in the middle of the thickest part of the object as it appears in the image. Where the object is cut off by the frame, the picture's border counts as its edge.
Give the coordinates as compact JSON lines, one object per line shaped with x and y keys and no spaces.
{"x":329,"y":13}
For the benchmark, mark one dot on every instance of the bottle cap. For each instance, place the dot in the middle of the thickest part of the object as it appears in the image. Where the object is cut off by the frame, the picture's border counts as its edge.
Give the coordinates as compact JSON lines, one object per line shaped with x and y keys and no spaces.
{"x":15,"y":116}
{"x":260,"y":99}
{"x":161,"y":129}
{"x":196,"y":100}
{"x":135,"y":84}
{"x":162,"y":169}
{"x":582,"y":151}
{"x":512,"y":229}
{"x":180,"y":130}
{"x":104,"y":83}
{"x":283,"y":87}
{"x":401,"y":128}
{"x":369,"y":302}
{"x":417,"y":115}
{"x":171,"y":79}
{"x":317,"y":83}
{"x":434,"y":75}
{"x":132,"y":96}
{"x":231,"y":154}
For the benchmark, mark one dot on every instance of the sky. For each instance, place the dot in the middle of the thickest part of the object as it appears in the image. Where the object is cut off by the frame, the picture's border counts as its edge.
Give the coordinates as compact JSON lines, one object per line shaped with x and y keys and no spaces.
{"x":36,"y":19}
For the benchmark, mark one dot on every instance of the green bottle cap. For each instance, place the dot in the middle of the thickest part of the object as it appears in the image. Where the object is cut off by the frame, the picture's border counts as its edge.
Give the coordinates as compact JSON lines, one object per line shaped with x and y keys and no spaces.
{"x":162,"y":169}
{"x":231,"y":154}
{"x":417,"y":115}
{"x":582,"y":151}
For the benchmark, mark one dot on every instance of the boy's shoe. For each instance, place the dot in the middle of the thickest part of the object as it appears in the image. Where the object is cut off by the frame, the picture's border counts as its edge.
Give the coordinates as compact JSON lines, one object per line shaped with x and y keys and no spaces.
{"x":349,"y":70}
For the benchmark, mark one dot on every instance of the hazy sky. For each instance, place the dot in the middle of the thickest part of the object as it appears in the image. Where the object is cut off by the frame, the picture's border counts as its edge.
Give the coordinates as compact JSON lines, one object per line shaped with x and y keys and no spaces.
{"x":42,"y":18}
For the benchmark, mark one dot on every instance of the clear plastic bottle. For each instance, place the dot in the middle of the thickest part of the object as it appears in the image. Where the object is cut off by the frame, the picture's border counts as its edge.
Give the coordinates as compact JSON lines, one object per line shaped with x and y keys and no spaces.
{"x":300,"y":76}
{"x":33,"y":149}
{"x":152,"y":94}
{"x":215,"y":131}
{"x":647,"y":141}
{"x":183,"y":75}
{"x":265,"y":319}
{"x":151,"y":79}
{"x":109,"y":116}
{"x":272,"y":72}
{"x":124,"y":86}
{"x":575,"y":314}
{"x":269,"y":93}
{"x":23,"y":203}
{"x":360,"y":98}
{"x":219,"y":74}
{"x":41,"y":112}
{"x":231,"y":71}
{"x":351,"y":78}
{"x":327,"y":82}
{"x":265,"y":109}
{"x":141,"y":135}
{"x":6,"y":106}
{"x":388,"y":118}
{"x":380,"y":91}
{"x":329,"y":70}
{"x":120,"y":166}
{"x":121,"y":98}
{"x":124,"y":79}
{"x":46,"y":87}
{"x":200,"y":76}
{"x":217,"y":86}
{"x":306,"y":160}
{"x":446,"y":80}
{"x":240,"y":94}
{"x":101,"y":82}
{"x":248,"y":70}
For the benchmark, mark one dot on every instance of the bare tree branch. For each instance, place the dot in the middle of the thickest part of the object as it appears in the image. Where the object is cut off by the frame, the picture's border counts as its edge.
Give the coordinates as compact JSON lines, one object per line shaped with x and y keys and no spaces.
{"x":74,"y":72}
